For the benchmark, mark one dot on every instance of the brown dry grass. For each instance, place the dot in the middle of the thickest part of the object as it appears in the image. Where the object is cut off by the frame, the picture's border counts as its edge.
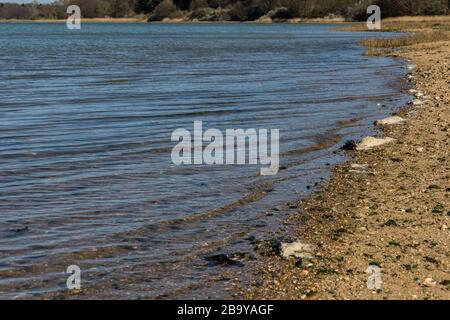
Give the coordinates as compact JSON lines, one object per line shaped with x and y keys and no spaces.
{"x":406,"y":24}
{"x":416,"y":38}
{"x":420,"y":29}
{"x":417,"y":23}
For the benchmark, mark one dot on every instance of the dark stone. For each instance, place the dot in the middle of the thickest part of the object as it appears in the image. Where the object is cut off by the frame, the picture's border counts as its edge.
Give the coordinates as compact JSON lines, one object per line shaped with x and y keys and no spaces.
{"x":223,"y":260}
{"x":276,"y":246}
{"x":349,"y":145}
{"x":391,"y":223}
{"x":251,"y":239}
{"x":20,"y":230}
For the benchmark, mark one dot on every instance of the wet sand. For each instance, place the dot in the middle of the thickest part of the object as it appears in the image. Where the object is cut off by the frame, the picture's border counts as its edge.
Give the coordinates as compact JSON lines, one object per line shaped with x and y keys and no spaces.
{"x":386,"y":207}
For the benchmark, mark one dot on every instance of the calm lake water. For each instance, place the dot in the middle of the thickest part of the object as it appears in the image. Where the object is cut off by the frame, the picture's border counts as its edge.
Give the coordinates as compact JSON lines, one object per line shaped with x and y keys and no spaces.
{"x":86,"y":118}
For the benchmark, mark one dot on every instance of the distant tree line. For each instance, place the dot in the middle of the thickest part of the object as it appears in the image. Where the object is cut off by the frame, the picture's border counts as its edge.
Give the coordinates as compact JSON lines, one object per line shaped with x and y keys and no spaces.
{"x":224,"y":10}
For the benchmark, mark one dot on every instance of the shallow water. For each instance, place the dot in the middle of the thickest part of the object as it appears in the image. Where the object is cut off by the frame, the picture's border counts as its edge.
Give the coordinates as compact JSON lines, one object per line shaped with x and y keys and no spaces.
{"x":86,"y":119}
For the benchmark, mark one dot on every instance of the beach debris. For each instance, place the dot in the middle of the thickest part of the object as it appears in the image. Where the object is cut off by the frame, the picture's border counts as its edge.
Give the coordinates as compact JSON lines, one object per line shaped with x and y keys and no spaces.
{"x":411,"y":67}
{"x":419,"y":94}
{"x":420,"y":149}
{"x":358,"y":168}
{"x":223,"y":259}
{"x":371,"y":142}
{"x":390,"y":121}
{"x":349,"y":145}
{"x":297,"y":249}
{"x":417,"y":102}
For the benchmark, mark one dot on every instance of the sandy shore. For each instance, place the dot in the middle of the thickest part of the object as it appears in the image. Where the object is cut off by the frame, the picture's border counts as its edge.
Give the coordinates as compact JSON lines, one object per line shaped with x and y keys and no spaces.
{"x":387,"y":207}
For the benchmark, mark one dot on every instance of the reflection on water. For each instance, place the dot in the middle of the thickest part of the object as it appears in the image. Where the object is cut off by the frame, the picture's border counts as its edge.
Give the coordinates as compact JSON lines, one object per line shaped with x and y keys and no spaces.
{"x":85,"y":124}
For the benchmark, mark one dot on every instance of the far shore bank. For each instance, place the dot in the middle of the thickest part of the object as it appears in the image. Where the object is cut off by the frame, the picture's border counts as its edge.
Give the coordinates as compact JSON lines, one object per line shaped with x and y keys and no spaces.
{"x":388,"y":207}
{"x":167,"y":20}
{"x":406,"y":23}
{"x":83,"y":20}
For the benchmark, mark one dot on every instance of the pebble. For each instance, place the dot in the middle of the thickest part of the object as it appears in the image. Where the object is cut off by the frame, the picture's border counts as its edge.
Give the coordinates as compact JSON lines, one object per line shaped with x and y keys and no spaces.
{"x":359,"y":166}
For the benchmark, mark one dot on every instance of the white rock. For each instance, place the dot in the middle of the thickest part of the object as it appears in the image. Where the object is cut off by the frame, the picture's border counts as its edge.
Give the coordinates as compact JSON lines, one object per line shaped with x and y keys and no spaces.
{"x":420,"y":149}
{"x":419,"y":94}
{"x":370,"y":142}
{"x":429,"y":282}
{"x":390,"y":121}
{"x":412,"y":91}
{"x":411,"y":67}
{"x":297,"y":249}
{"x":417,"y":102}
